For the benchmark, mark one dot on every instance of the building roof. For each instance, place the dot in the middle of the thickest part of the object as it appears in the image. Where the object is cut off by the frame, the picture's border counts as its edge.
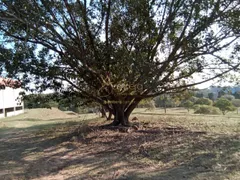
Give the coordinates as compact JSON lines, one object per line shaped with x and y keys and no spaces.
{"x":7,"y":82}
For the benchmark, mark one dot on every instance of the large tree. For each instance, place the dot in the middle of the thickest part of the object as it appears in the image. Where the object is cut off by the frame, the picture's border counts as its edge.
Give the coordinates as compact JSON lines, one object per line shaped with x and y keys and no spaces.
{"x":118,"y":52}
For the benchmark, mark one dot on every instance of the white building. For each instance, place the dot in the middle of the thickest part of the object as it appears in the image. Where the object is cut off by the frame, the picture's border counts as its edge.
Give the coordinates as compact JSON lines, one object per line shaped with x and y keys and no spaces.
{"x":10,"y":102}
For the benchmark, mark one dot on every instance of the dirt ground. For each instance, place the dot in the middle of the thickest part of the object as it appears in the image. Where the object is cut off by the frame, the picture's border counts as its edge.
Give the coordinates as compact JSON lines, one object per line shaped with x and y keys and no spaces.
{"x":156,"y":147}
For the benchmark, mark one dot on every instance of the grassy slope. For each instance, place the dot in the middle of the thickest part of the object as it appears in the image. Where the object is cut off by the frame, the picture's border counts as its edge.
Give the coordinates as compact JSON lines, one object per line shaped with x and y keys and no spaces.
{"x":49,"y":144}
{"x":41,"y":116}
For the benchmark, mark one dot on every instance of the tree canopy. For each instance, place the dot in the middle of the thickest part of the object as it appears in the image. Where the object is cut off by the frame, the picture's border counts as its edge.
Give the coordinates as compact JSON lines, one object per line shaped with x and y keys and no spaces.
{"x":204,"y":101}
{"x":188,"y":105}
{"x":224,"y":105}
{"x":118,"y":52}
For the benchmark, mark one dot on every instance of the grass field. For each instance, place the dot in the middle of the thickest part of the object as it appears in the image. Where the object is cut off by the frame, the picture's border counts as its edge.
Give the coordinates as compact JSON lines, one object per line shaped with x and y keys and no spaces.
{"x":54,"y":145}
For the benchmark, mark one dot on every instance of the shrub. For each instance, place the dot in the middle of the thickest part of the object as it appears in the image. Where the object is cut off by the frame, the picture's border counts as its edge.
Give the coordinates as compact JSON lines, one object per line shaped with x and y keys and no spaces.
{"x":45,"y":105}
{"x":165,"y":101}
{"x":193,"y":99}
{"x":150,"y":104}
{"x":52,"y":103}
{"x":236,"y":103}
{"x":196,"y":107}
{"x":204,"y":101}
{"x":228,"y":97}
{"x":205,"y":109}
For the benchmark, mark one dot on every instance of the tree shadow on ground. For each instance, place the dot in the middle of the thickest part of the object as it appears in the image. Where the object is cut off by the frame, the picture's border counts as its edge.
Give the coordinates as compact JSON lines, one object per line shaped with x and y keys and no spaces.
{"x":207,"y":157}
{"x":80,"y":151}
{"x":18,"y":143}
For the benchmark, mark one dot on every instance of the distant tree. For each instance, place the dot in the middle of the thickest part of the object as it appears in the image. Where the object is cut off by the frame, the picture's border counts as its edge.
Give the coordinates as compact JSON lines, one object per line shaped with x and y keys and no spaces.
{"x":236,"y":103}
{"x":211,"y":96}
{"x":73,"y":102}
{"x":228,"y":97}
{"x":204,"y":101}
{"x":185,"y":95}
{"x":193,"y":99}
{"x":147,"y":103}
{"x":161,"y":101}
{"x":224,"y":105}
{"x":237,"y":95}
{"x":188,"y":105}
{"x":205,"y":109}
{"x":165,"y":101}
{"x":180,"y":98}
{"x":199,"y":95}
{"x":37,"y":101}
{"x":224,"y":91}
{"x":52,"y":103}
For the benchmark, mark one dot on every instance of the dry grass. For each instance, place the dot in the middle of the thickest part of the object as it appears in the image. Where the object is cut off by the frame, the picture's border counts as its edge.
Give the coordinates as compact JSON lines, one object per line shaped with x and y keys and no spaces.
{"x":43,"y":116}
{"x":163,"y":147}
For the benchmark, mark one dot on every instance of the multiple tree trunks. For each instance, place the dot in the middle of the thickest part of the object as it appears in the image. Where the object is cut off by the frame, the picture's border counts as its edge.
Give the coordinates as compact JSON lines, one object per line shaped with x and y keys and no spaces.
{"x":7,"y":82}
{"x":109,"y":116}
{"x":103,"y":112}
{"x":120,"y":116}
{"x":121,"y":113}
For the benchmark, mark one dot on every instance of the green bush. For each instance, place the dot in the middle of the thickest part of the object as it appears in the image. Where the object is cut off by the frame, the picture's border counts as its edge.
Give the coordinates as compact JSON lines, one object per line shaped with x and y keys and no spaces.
{"x":224,"y":105}
{"x":52,"y":103}
{"x":205,"y":109}
{"x":62,"y":108}
{"x":150,"y":104}
{"x":196,"y":107}
{"x":193,"y":99}
{"x":204,"y":101}
{"x":228,"y":97}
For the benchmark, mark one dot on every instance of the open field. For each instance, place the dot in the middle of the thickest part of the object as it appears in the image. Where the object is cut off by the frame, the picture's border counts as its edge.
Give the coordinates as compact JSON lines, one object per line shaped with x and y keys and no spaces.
{"x":49,"y":144}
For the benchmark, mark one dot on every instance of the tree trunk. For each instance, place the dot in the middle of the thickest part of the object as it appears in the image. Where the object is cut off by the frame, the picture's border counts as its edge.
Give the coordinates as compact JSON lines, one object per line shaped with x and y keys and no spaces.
{"x":165,"y":107}
{"x":120,"y":117}
{"x":109,"y":115}
{"x":103,"y":112}
{"x":122,"y":112}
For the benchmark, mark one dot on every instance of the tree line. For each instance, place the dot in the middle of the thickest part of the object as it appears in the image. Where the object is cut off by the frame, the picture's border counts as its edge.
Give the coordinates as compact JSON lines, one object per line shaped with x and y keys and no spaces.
{"x":188,"y":100}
